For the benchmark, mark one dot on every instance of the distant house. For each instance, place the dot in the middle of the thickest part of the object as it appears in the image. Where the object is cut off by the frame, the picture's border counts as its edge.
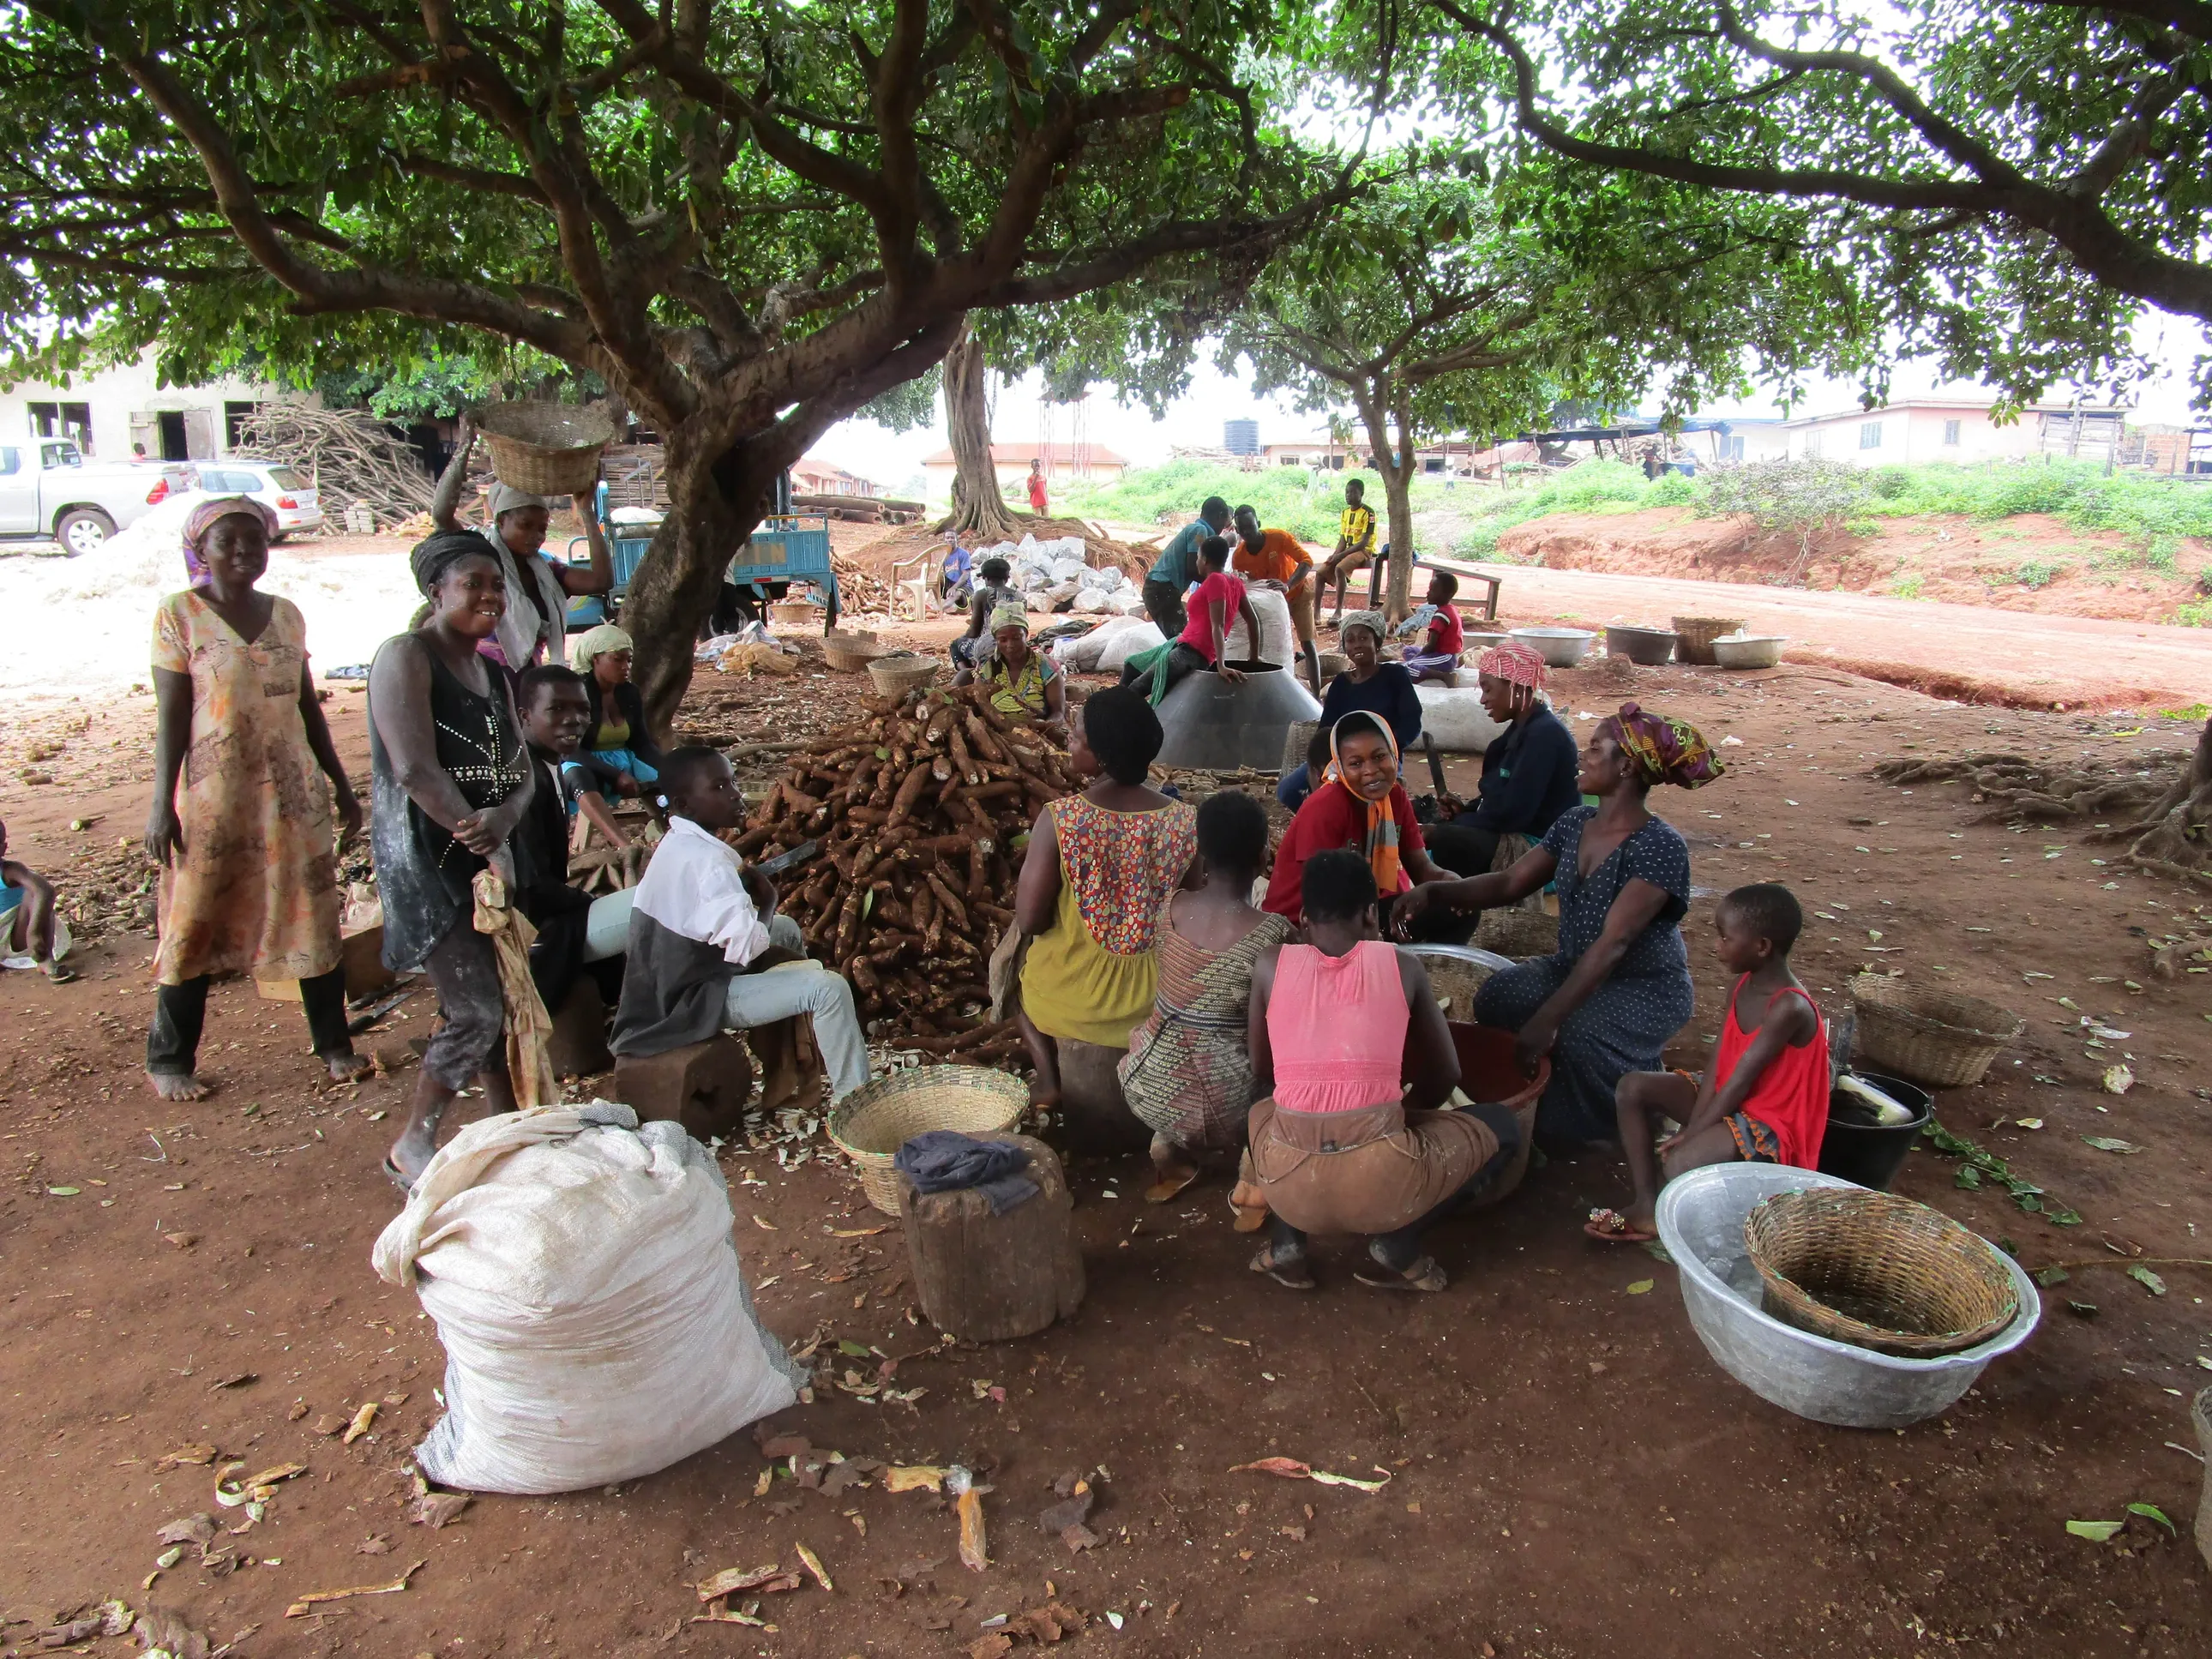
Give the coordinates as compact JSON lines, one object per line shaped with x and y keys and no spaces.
{"x":1916,"y":430}
{"x":1063,"y":464}
{"x":813,"y":477}
{"x":1319,"y":454}
{"x":106,"y":413}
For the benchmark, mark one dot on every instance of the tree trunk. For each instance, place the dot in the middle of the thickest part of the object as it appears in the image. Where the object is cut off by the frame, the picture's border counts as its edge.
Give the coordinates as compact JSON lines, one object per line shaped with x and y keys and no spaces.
{"x":979,"y":511}
{"x":1395,"y":464}
{"x":714,"y":504}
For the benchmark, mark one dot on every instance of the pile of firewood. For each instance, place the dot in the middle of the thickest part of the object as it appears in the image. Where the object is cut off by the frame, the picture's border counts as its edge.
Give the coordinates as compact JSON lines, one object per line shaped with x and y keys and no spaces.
{"x":922,"y":810}
{"x":353,"y":458}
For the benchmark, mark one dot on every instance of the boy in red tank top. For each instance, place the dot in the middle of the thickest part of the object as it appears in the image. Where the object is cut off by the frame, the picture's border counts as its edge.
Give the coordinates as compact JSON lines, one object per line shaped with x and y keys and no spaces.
{"x":1763,"y":1100}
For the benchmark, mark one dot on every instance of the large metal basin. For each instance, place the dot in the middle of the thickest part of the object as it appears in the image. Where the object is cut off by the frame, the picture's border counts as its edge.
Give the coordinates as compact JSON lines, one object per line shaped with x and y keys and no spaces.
{"x":1700,"y":1222}
{"x":1214,"y":726}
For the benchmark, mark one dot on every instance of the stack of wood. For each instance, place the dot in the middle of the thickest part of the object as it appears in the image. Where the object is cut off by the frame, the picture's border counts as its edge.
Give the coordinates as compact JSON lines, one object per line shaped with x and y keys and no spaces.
{"x":860,"y":510}
{"x":352,"y":458}
{"x":922,"y":809}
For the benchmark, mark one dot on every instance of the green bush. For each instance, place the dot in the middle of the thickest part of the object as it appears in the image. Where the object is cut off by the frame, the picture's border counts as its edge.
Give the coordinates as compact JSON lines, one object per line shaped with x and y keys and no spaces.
{"x":1888,"y":483}
{"x":2037,"y":573}
{"x":1670,"y":489}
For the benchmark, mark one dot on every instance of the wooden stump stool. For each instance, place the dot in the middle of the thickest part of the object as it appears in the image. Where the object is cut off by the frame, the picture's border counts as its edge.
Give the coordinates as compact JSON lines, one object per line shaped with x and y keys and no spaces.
{"x":703,"y":1086}
{"x":1093,"y":1116}
{"x":578,"y":1045}
{"x":988,"y":1277}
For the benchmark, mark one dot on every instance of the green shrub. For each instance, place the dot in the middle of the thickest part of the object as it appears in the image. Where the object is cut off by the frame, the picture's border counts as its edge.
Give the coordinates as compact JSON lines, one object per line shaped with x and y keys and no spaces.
{"x":2037,"y":573}
{"x":1908,"y":587}
{"x":1890,"y":482}
{"x":2197,"y":613}
{"x":1670,"y":489}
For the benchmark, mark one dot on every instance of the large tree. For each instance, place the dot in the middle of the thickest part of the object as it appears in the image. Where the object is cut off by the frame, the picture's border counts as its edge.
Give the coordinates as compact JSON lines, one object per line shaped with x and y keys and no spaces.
{"x":748,"y":217}
{"x":1453,"y":301}
{"x":2014,"y":177}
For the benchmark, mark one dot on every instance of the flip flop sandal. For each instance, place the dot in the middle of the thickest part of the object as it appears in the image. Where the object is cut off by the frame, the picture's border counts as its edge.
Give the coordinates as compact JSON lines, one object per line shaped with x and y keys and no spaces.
{"x":1249,"y":1208}
{"x":1295,"y":1274}
{"x":1611,"y":1227}
{"x":1161,"y":1191}
{"x":391,"y":1174}
{"x":1424,"y":1275}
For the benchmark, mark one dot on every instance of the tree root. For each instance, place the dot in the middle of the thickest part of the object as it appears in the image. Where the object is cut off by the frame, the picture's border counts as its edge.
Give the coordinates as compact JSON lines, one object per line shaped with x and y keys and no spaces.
{"x":2167,"y":960}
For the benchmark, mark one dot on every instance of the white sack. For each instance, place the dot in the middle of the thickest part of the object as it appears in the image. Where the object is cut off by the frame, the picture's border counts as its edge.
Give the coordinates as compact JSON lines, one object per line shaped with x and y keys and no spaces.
{"x":596,"y":1323}
{"x":1277,"y":641}
{"x":1125,"y":604}
{"x":1138,"y":635}
{"x":1083,"y":653}
{"x":1455,"y":717}
{"x":1089,"y":602}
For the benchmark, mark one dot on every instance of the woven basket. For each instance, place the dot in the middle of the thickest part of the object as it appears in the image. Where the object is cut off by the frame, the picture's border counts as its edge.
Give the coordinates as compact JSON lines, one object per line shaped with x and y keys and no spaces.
{"x":548,"y":449}
{"x":897,"y":676}
{"x":849,"y":653}
{"x":872,"y":1123}
{"x":1933,"y":1038}
{"x":794,"y":613}
{"x":1694,"y":636}
{"x":1517,"y":934}
{"x":1878,"y":1272}
{"x":1295,"y":741}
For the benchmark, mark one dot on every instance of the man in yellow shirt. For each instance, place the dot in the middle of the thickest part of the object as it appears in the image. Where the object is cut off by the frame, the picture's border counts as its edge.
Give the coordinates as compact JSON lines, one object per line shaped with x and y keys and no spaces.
{"x":1355,"y":542}
{"x":1276,"y":558}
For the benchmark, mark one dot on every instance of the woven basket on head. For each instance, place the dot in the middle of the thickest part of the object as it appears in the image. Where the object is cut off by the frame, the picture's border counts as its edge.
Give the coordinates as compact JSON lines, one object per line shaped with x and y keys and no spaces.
{"x":548,"y":449}
{"x":872,"y":1123}
{"x":849,"y":653}
{"x":1694,"y":635}
{"x":1935,"y":1038}
{"x":897,"y":676}
{"x":1877,"y":1271}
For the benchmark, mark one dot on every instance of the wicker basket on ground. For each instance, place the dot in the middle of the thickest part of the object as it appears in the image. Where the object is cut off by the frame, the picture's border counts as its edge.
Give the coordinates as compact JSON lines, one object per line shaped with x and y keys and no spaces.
{"x":1694,"y":636}
{"x":849,"y":653}
{"x":548,"y":449}
{"x":1877,"y":1271}
{"x":872,"y":1123}
{"x":894,"y":676}
{"x":1935,"y":1038}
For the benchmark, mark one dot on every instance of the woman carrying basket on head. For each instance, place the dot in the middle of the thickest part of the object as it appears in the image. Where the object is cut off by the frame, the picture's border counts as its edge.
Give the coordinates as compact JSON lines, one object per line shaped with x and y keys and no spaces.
{"x":535,"y":627}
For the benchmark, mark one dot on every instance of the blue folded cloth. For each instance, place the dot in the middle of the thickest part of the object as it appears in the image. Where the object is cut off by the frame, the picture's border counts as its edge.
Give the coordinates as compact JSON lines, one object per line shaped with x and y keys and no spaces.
{"x":946,"y":1161}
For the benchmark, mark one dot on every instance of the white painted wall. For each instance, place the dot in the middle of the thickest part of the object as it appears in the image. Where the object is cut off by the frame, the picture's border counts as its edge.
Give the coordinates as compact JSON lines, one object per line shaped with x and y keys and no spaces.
{"x":117,"y":394}
{"x":1915,"y":434}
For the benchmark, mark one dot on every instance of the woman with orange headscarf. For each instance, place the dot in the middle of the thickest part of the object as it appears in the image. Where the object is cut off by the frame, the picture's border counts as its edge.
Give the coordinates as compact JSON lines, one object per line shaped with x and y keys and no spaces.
{"x":1359,"y":806}
{"x":1607,"y":1001}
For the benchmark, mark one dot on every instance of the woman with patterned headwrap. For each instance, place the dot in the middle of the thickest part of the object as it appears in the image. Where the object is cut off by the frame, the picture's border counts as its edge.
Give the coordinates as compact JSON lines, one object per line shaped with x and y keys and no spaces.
{"x":240,"y":820}
{"x":450,"y":780}
{"x":1369,"y":683}
{"x":1022,"y":682}
{"x":1619,"y":986}
{"x":1528,"y":769}
{"x":1359,"y":804}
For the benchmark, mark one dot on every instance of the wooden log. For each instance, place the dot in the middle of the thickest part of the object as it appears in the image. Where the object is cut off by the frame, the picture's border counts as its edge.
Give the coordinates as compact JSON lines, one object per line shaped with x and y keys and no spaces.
{"x":987,"y":1278}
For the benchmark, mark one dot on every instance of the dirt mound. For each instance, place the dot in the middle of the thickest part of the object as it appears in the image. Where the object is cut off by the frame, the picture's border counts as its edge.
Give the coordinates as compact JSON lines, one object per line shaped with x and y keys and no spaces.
{"x":2031,"y":563}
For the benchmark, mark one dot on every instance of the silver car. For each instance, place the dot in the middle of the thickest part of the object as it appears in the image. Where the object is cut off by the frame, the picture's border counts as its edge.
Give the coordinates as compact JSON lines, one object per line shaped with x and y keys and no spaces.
{"x":298,"y":506}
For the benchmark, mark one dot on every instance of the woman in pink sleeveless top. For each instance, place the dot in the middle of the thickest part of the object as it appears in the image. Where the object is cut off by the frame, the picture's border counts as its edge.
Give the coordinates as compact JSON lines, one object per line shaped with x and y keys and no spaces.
{"x":1348,"y":1037}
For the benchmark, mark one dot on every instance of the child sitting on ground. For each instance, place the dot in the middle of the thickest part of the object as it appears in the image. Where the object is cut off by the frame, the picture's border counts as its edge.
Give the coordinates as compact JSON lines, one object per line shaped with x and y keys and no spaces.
{"x":1435,"y":636}
{"x":30,"y":930}
{"x":1763,"y":1100}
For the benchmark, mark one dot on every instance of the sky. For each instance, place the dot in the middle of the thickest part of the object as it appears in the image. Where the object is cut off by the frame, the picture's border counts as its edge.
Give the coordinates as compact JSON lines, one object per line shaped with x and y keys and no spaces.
{"x":894,"y":460}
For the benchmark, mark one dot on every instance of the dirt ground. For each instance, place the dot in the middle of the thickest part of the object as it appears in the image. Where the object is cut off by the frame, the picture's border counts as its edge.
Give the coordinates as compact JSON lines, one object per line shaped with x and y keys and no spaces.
{"x":2028,"y":562}
{"x":1568,"y":1473}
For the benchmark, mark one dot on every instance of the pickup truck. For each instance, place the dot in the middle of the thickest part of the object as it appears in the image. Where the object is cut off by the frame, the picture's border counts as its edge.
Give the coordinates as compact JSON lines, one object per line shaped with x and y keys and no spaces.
{"x":49,"y":491}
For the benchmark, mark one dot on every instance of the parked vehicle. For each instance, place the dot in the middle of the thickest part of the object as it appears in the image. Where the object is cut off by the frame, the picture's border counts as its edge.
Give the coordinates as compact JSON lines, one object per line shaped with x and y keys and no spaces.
{"x":297,"y":503}
{"x":48,"y":489}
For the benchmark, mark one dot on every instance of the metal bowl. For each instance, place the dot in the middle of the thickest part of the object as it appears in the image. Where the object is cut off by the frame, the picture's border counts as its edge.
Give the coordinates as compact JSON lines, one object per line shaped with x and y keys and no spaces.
{"x":1647,"y":647}
{"x":1700,"y":1222}
{"x":1749,"y":650}
{"x":1560,"y":648}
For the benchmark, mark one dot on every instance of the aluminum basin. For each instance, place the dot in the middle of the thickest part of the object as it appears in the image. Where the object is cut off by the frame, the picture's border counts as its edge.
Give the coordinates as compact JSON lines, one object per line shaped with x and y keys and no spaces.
{"x":1213,"y":726}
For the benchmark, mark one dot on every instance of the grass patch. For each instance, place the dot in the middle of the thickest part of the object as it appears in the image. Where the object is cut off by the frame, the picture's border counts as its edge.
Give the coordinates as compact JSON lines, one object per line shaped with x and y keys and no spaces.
{"x":2037,"y":573}
{"x":1908,"y":586}
{"x":2197,"y":613}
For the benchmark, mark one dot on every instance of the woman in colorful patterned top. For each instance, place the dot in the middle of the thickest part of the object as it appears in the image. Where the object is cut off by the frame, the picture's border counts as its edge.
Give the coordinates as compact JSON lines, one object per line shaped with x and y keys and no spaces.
{"x":1022,"y":683}
{"x":1099,"y":867}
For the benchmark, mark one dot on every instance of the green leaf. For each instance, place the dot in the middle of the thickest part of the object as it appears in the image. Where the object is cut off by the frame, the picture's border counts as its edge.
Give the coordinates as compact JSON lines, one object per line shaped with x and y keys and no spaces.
{"x":2081,"y":1310}
{"x":2151,"y":1512}
{"x":65,"y":1192}
{"x":2106,"y":1143}
{"x":2047,"y":1277}
{"x":858,"y":1350}
{"x":2149,"y":1280}
{"x":2097,"y":1531}
{"x":1641,"y":1286}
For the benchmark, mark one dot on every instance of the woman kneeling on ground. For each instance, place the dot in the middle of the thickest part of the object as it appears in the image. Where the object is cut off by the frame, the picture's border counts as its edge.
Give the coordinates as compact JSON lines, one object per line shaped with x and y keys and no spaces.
{"x":249,"y":874}
{"x":1099,"y":871}
{"x":1023,"y":682}
{"x":1188,"y":1076}
{"x":449,"y":781}
{"x":1348,"y":1040}
{"x":1606,"y":1003}
{"x":708,"y":952}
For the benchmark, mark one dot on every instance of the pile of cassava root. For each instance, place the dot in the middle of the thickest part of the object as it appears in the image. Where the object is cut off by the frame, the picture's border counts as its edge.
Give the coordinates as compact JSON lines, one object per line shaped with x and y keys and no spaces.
{"x":922,"y":810}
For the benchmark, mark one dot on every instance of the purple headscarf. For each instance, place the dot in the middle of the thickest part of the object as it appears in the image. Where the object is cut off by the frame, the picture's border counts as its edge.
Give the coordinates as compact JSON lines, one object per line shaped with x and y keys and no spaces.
{"x":201,"y":519}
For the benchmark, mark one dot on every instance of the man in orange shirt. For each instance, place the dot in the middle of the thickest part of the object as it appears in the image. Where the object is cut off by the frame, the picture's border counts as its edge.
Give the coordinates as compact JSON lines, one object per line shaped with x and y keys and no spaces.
{"x":1274,"y":557}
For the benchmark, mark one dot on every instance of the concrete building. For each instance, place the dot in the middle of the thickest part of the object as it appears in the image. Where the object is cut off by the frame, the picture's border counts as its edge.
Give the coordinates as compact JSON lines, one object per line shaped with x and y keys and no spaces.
{"x":109,"y":412}
{"x":811,"y":476}
{"x":1915,"y":431}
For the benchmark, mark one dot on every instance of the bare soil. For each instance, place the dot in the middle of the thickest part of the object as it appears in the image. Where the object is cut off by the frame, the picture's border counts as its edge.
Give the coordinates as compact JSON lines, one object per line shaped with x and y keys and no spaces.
{"x":2030,"y":562}
{"x":1569,"y":1473}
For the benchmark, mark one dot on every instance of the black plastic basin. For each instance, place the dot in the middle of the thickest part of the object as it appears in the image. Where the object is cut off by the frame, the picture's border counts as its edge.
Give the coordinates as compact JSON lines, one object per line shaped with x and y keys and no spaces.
{"x":1871,"y":1153}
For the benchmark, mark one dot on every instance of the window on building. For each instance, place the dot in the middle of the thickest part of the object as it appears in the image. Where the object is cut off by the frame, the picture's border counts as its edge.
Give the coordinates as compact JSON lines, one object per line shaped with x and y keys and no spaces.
{"x":70,"y":421}
{"x":1432,"y":464}
{"x":1870,"y":434}
{"x":1951,"y":433}
{"x":235,"y":417}
{"x":1731,"y":449}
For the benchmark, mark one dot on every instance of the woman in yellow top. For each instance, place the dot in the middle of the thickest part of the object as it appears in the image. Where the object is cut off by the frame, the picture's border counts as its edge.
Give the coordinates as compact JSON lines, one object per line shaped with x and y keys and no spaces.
{"x":1099,"y":868}
{"x":1024,"y":682}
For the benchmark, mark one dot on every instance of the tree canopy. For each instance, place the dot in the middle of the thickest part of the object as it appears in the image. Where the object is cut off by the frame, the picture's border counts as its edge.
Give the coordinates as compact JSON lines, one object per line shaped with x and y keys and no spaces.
{"x":2013,"y":181}
{"x":749,"y":217}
